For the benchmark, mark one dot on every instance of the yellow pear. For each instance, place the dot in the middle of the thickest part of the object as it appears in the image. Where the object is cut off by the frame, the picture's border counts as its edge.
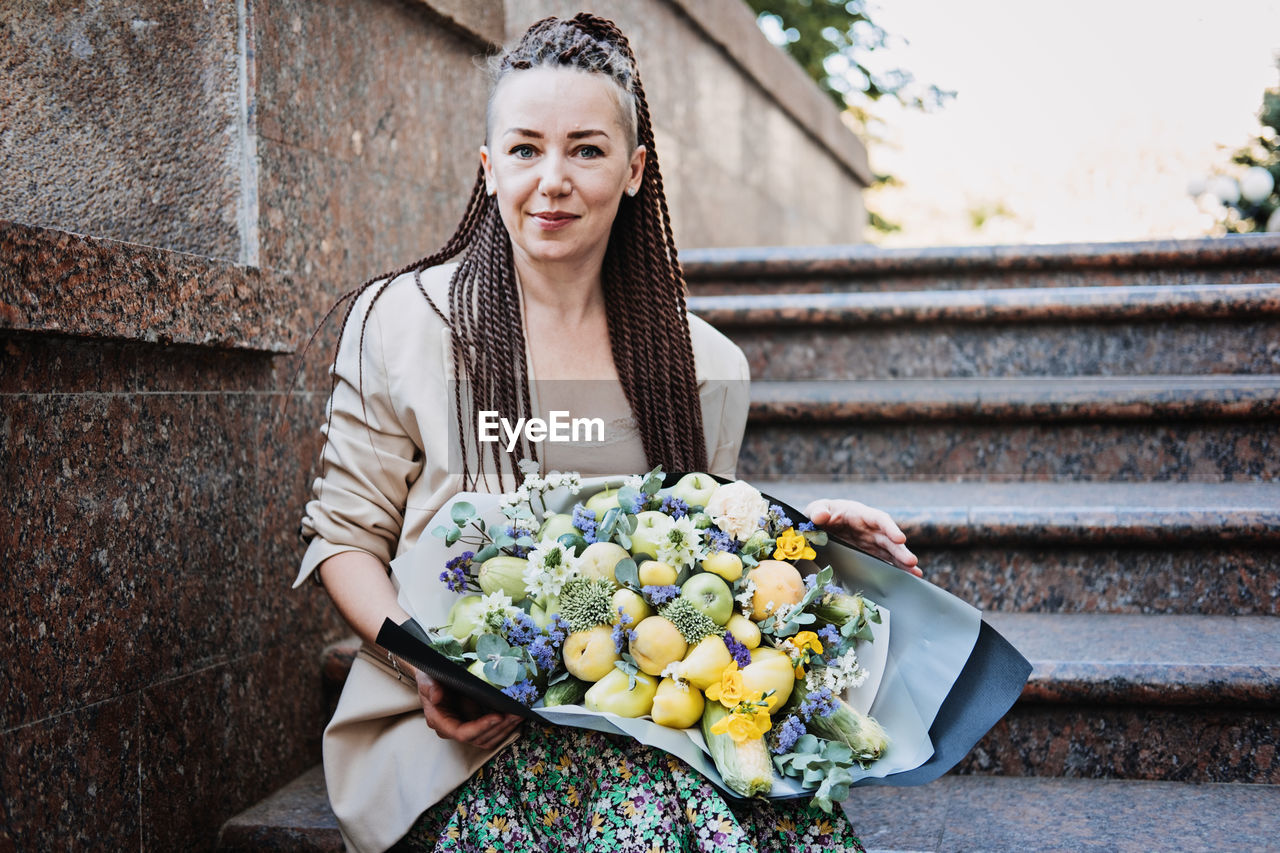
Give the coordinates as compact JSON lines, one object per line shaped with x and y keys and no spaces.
{"x":615,"y":695}
{"x":590,"y":654}
{"x":777,"y":583}
{"x":770,"y":669}
{"x":724,"y":564}
{"x":744,"y":630}
{"x":657,"y":643}
{"x":656,"y":573}
{"x":676,"y":706}
{"x":705,"y":661}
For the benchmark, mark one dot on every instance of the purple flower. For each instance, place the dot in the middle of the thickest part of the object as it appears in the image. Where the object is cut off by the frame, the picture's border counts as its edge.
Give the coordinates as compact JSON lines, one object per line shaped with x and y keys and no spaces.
{"x":830,"y":637}
{"x":455,"y":575}
{"x":778,"y":518}
{"x":740,"y":653}
{"x":806,"y":527}
{"x":516,"y":533}
{"x":523,"y":692}
{"x":721,"y":541}
{"x":660,"y":594}
{"x":819,"y":703}
{"x":621,"y":636}
{"x":520,"y":629}
{"x":674,"y":507}
{"x":585,"y":520}
{"x":637,"y":504}
{"x":787,"y":734}
{"x":557,"y":630}
{"x":543,"y":652}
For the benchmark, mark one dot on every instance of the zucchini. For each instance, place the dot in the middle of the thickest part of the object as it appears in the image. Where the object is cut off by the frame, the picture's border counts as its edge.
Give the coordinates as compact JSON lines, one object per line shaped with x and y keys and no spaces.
{"x":846,"y":725}
{"x":745,"y":767}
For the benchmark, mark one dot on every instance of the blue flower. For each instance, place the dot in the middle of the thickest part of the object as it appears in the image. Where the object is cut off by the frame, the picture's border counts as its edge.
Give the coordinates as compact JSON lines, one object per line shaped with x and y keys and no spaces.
{"x":740,"y":653}
{"x":806,"y":527}
{"x":777,"y":518}
{"x":674,"y":507}
{"x":660,"y":594}
{"x":622,"y":637}
{"x":637,"y":504}
{"x":830,"y":637}
{"x":455,"y":575}
{"x":543,"y":652}
{"x":585,"y":520}
{"x":523,"y":692}
{"x":819,"y":703}
{"x":787,"y":734}
{"x":557,"y":630}
{"x":721,"y":541}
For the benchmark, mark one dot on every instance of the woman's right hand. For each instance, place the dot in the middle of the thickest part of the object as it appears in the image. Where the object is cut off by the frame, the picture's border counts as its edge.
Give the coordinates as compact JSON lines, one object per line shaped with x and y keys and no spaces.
{"x":462,"y":721}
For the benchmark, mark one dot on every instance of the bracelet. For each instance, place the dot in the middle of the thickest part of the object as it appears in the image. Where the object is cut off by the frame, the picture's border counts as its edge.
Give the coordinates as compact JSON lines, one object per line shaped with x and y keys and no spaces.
{"x":400,"y":676}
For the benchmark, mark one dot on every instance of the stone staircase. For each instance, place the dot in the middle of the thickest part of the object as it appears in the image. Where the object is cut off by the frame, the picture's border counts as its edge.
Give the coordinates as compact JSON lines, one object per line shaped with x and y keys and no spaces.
{"x":1084,"y":441}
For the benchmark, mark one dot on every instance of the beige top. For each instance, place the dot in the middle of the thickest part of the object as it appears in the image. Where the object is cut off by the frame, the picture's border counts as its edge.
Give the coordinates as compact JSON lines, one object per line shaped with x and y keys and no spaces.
{"x":385,"y":473}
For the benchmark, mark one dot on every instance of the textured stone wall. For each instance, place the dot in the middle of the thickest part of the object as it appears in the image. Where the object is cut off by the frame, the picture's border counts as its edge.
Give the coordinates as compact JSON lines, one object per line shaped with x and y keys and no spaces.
{"x":185,"y":188}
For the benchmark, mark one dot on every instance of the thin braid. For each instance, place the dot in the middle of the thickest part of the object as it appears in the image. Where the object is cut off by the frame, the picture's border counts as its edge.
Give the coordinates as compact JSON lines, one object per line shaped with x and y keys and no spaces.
{"x":643,"y":284}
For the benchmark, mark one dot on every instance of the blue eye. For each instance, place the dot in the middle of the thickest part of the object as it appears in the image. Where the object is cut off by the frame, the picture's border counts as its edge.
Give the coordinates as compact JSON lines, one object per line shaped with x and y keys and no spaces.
{"x":589,"y":152}
{"x":524,"y":152}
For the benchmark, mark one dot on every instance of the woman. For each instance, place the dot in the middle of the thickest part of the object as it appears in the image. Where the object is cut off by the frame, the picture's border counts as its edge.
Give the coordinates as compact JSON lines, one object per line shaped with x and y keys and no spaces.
{"x":569,"y":272}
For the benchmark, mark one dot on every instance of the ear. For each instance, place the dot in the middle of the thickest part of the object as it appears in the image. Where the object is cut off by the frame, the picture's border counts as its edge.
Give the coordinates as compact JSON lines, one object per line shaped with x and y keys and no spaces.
{"x":485,"y":163}
{"x":636,"y":174}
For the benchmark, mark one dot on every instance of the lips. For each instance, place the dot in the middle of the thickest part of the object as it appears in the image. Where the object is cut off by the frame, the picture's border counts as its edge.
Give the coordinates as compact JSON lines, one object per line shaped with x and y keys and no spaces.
{"x":550,"y":220}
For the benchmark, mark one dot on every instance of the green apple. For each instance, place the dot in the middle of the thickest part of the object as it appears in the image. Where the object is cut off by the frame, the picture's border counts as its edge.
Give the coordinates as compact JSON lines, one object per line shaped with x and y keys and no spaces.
{"x":631,"y":603}
{"x":503,"y":573}
{"x":602,"y":502}
{"x":694,"y":489}
{"x":477,"y":669}
{"x":652,"y":528}
{"x":464,"y":617}
{"x":590,"y":655}
{"x":724,"y":564}
{"x":557,"y":526}
{"x":599,"y":559}
{"x":614,"y":694}
{"x":711,"y":595}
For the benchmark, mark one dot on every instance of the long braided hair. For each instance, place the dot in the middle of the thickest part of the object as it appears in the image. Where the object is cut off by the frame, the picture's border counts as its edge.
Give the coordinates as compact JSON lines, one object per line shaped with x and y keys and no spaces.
{"x":644,"y":287}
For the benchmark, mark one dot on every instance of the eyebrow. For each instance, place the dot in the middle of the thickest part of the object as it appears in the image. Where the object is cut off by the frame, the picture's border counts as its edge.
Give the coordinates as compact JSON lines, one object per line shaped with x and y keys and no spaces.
{"x":573,"y":134}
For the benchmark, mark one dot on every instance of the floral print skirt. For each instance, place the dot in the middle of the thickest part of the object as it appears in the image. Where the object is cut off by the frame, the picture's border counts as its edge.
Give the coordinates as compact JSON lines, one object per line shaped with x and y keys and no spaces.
{"x":568,"y":789}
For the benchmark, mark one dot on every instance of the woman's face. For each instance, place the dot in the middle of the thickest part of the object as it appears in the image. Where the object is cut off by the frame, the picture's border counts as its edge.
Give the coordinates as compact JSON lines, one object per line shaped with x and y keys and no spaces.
{"x":560,"y":160}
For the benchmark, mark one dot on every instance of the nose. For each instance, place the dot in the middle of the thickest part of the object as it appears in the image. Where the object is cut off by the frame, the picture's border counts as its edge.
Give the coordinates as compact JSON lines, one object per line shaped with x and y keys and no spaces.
{"x":554,"y":180}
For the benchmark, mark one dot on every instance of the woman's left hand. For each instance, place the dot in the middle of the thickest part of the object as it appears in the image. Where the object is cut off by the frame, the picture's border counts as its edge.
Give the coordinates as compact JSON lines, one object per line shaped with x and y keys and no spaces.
{"x":870,"y":529}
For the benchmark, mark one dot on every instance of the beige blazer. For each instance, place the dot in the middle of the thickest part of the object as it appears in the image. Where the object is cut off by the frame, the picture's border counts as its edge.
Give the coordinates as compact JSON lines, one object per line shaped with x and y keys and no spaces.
{"x":385,"y":473}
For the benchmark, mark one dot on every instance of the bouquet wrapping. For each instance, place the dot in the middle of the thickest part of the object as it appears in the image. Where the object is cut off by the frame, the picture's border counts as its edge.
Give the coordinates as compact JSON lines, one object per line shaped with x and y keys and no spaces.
{"x":705,"y":619}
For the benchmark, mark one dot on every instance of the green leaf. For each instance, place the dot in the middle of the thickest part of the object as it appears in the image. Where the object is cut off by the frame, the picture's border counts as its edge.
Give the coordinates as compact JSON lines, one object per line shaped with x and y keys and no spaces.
{"x":452,"y":536}
{"x":510,"y":671}
{"x":487,"y":552}
{"x":627,"y":573}
{"x":439,"y":530}
{"x":491,"y":645}
{"x":480,"y":524}
{"x":462,"y":512}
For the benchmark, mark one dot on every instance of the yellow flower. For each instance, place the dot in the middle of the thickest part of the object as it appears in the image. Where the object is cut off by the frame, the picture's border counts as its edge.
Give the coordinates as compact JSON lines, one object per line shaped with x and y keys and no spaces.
{"x":550,"y":817}
{"x":740,"y":727}
{"x":730,"y":690}
{"x":793,"y":546}
{"x":805,"y":643}
{"x":597,"y":823}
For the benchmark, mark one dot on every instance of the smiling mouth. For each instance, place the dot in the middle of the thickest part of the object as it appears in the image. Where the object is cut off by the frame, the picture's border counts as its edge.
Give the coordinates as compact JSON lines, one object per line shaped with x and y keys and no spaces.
{"x":553,"y":220}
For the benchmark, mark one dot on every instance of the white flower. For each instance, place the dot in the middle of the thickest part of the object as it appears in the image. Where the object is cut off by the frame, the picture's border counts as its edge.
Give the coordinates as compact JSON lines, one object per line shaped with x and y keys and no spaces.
{"x":675,"y":671}
{"x":550,"y":567}
{"x":736,"y":508}
{"x":496,"y":608}
{"x":571,"y":481}
{"x":682,"y":545}
{"x":527,"y":467}
{"x":838,"y":675}
{"x":635,"y":481}
{"x":745,"y":597}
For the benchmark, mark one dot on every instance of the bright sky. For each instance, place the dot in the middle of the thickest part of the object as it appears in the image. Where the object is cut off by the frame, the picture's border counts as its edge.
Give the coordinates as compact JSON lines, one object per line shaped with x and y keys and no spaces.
{"x":1085,"y":120}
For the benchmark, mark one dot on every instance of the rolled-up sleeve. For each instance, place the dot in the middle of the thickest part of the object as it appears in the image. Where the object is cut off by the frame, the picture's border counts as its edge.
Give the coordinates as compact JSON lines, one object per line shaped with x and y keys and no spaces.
{"x":369,"y":460}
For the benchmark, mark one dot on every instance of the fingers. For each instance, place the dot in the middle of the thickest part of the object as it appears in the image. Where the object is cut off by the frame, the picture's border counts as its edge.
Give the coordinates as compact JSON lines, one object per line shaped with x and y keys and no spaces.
{"x":486,"y":731}
{"x":873,"y":530}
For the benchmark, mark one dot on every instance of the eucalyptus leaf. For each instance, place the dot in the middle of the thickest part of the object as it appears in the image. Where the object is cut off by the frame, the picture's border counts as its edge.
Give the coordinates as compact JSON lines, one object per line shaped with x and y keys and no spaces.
{"x":462,"y":512}
{"x":510,"y":671}
{"x":622,"y":539}
{"x":452,"y":536}
{"x":627,"y":496}
{"x":627,"y":573}
{"x":491,"y":645}
{"x":440,"y":531}
{"x":487,"y":552}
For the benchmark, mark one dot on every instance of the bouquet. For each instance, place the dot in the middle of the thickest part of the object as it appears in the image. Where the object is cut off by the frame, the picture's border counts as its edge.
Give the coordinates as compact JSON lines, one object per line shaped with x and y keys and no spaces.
{"x":697,"y":607}
{"x":705,"y":619}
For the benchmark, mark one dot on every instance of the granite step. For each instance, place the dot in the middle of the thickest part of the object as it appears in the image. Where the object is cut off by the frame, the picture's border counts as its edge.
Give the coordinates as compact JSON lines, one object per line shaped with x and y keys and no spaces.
{"x":955,"y":814}
{"x":1180,"y":698}
{"x":1148,"y":428}
{"x":1064,"y":331}
{"x":1254,"y":258}
{"x":1067,"y":547}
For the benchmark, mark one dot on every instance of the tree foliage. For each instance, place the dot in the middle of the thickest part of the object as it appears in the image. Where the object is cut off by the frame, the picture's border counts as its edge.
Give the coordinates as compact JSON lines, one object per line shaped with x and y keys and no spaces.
{"x":1246,"y":216}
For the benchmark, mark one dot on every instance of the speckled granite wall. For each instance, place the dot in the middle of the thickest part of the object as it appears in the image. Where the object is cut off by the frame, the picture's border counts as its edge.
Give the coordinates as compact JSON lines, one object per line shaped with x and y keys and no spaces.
{"x":159,"y":673}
